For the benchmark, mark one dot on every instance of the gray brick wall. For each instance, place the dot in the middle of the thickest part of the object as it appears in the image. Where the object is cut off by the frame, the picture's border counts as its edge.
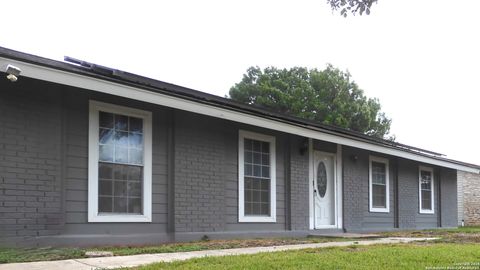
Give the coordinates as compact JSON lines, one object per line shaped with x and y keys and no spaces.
{"x":200,"y":175}
{"x":409,"y":210}
{"x":30,"y":155}
{"x":43,"y":172}
{"x":469,"y":199}
{"x":407,"y":193}
{"x":231,"y":192}
{"x":357,"y":215}
{"x":448,"y":186}
{"x":76,"y":165}
{"x":299,"y":185}
{"x":43,"y":163}
{"x":355,"y":177}
{"x":206,"y":176}
{"x":44,"y":169}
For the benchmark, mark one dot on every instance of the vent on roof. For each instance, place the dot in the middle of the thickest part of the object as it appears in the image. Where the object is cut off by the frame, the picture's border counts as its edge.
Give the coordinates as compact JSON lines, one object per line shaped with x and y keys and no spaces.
{"x":93,"y":67}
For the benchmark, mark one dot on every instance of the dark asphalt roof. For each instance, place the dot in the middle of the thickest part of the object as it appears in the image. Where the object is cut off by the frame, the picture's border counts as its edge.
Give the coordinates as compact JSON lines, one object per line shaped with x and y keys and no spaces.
{"x":126,"y":78}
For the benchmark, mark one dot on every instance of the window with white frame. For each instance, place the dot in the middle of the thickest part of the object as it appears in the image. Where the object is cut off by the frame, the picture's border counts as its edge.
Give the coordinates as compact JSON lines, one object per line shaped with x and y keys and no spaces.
{"x":257,"y":180}
{"x":120,"y":164}
{"x":379,"y":185}
{"x":425,"y":190}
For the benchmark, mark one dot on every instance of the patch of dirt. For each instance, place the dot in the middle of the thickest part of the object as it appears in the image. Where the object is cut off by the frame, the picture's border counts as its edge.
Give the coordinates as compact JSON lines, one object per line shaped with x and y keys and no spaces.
{"x":318,"y":250}
{"x":463,"y":238}
{"x":446,"y":236}
{"x":422,"y":243}
{"x":354,"y":249}
{"x":239,"y":243}
{"x":252,"y":243}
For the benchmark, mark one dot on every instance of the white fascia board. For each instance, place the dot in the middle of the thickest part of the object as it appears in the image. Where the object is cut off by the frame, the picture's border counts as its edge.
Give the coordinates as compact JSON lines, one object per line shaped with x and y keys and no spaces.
{"x":103,"y":86}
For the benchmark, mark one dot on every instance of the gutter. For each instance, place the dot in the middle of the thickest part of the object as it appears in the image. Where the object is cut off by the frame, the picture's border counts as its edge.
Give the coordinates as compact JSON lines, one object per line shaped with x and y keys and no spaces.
{"x":197,"y":102}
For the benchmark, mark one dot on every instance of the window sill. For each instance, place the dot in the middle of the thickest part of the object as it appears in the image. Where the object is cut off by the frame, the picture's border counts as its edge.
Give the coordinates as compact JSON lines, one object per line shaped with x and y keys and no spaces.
{"x":119,"y":218}
{"x":428,"y":212}
{"x":257,"y":219}
{"x":379,"y":210}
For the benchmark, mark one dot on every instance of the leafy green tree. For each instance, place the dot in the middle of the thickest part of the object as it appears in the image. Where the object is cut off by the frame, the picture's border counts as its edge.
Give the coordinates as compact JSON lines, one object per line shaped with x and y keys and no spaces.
{"x":352,"y":6}
{"x":326,"y":96}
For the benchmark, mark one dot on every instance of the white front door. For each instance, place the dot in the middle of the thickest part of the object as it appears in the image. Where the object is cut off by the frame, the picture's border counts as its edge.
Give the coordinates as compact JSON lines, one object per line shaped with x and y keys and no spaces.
{"x":324,"y":190}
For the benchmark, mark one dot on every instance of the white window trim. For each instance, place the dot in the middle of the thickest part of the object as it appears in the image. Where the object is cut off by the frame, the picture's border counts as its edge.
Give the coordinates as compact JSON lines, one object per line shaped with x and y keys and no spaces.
{"x":387,"y":181}
{"x":242,"y":134}
{"x":421,"y":210}
{"x":93,"y":215}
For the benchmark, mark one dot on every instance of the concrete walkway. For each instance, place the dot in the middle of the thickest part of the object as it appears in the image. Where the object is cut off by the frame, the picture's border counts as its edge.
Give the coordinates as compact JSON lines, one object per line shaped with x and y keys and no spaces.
{"x":136,"y":260}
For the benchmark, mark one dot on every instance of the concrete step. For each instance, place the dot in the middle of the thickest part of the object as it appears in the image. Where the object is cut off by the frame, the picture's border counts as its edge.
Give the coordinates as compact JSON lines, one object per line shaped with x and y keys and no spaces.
{"x":341,"y":234}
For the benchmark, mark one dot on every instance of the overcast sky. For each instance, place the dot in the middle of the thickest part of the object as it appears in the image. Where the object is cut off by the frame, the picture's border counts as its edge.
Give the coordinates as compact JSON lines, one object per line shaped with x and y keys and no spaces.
{"x":420,"y":58}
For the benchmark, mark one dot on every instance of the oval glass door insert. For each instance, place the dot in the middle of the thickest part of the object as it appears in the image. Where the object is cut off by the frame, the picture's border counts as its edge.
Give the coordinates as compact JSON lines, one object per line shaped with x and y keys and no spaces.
{"x":321,"y":179}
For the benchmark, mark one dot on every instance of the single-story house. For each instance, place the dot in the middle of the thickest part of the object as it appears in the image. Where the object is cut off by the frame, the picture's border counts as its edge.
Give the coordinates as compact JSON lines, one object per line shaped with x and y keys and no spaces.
{"x":91,"y":155}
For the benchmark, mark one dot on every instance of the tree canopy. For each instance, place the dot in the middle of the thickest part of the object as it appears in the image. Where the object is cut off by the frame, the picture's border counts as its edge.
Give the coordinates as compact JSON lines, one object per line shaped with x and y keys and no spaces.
{"x":326,"y":96}
{"x":352,"y":6}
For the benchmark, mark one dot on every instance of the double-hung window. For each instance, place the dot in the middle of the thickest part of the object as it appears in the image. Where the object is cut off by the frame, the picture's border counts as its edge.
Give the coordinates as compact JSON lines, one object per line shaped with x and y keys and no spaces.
{"x":256,"y":156}
{"x":120,"y":164}
{"x":379,"y":199}
{"x":425,"y":190}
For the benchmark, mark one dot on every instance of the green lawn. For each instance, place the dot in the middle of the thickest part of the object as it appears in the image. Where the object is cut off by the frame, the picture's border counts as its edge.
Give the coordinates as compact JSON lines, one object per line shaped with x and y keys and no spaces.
{"x":401,"y":256}
{"x":12,"y":255}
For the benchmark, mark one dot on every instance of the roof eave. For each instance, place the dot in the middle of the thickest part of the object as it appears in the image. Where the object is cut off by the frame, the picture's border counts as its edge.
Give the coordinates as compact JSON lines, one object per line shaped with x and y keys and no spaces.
{"x":78,"y":77}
